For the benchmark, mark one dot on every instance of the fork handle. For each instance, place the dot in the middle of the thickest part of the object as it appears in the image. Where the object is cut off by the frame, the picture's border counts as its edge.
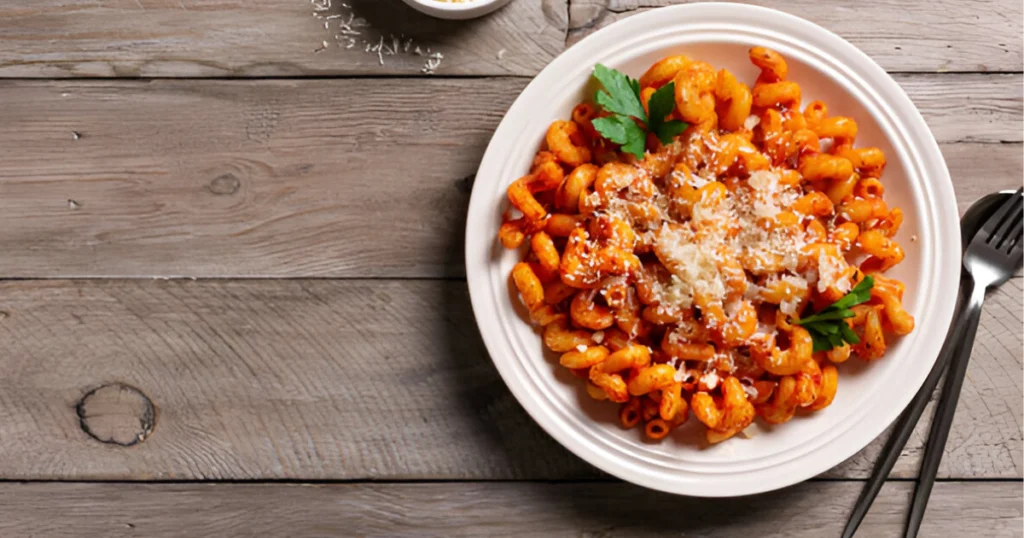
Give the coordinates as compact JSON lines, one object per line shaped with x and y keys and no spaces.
{"x":944,"y":415}
{"x":901,"y":433}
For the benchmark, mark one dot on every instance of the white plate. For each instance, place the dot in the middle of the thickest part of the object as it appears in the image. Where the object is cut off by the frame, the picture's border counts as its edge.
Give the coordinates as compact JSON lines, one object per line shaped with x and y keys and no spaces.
{"x":870,"y":396}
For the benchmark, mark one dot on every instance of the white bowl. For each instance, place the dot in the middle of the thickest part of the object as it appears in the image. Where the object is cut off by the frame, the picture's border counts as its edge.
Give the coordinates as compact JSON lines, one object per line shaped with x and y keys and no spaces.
{"x":456,"y":10}
{"x":870,"y":396}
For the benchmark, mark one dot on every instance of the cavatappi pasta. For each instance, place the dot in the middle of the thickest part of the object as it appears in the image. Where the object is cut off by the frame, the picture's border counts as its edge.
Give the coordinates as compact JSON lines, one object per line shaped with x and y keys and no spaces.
{"x":671,"y":284}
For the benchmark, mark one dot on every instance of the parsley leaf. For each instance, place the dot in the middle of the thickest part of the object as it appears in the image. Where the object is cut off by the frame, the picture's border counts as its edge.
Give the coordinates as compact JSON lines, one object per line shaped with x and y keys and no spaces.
{"x":621,"y":97}
{"x":827,"y":328}
{"x":661,"y":104}
{"x":623,"y":131}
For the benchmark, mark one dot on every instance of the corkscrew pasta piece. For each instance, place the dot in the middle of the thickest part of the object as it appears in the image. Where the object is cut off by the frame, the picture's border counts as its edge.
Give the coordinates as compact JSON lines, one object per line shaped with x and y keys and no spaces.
{"x":557,"y":292}
{"x":629,"y":413}
{"x":869,"y":187}
{"x":663,"y":71}
{"x":657,"y":428}
{"x":814,"y":113}
{"x":776,"y":95}
{"x":652,"y":378}
{"x":544,"y":248}
{"x":585,"y":358}
{"x":862,"y":210}
{"x":583,"y":115}
{"x":596,"y":392}
{"x":695,"y":99}
{"x":808,"y":384}
{"x":575,"y":185}
{"x":782,"y":406}
{"x":529,"y":286}
{"x":872,"y":342}
{"x":822,"y":167}
{"x":827,"y":389}
{"x":884,"y":252}
{"x":869,"y":162}
{"x":766,"y":353}
{"x":733,"y":101}
{"x":567,"y":143}
{"x":735,"y":413}
{"x":559,"y":337}
{"x":836,"y":127}
{"x":682,"y":281}
{"x":586,"y":313}
{"x":890,"y":296}
{"x":772,"y":65}
{"x":612,"y":384}
{"x":560,"y":225}
{"x":511,"y":234}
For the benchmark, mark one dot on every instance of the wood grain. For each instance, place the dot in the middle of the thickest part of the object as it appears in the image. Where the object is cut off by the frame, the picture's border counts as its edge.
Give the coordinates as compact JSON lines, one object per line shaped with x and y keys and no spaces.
{"x":520,"y":509}
{"x":199,"y":38}
{"x":269,"y":178}
{"x":228,"y":38}
{"x":340,"y":379}
{"x":943,"y":35}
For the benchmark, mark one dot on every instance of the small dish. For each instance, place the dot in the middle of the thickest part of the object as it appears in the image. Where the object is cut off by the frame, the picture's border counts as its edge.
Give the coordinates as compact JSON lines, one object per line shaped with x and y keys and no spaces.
{"x":456,"y":10}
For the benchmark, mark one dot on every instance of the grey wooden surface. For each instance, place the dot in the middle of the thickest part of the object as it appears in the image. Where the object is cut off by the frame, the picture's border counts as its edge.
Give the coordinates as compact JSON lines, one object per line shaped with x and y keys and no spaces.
{"x":328,"y":336}
{"x":343,"y":380}
{"x":486,"y":509}
{"x":272,"y":178}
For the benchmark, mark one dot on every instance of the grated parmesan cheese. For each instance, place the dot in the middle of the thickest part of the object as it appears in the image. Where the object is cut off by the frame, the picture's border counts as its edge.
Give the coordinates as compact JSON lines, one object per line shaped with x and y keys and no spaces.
{"x":832,"y":272}
{"x":710,"y":379}
{"x":694,"y":266}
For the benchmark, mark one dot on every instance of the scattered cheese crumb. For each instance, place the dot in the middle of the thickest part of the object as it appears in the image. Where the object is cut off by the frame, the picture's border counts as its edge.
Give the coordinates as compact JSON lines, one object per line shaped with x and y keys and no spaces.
{"x":581,"y":348}
{"x":751,"y":122}
{"x":598,"y":337}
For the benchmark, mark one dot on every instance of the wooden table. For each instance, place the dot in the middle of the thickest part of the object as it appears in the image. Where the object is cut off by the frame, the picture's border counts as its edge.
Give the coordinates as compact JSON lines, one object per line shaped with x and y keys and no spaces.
{"x":233,"y":298}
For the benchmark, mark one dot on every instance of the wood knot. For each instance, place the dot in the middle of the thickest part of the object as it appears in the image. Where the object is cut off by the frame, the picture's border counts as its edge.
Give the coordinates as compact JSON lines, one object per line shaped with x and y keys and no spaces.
{"x":117,"y":414}
{"x":225,"y":184}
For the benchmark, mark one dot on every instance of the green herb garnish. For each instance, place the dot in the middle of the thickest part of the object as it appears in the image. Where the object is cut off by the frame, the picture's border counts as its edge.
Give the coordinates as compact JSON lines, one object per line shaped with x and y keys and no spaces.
{"x":621,"y":97}
{"x":828,"y":328}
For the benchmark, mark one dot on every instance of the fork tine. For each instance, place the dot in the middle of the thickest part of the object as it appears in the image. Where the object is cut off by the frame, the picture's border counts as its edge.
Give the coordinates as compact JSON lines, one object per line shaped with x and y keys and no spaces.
{"x":1014,"y":239}
{"x":999,"y":219}
{"x":1007,"y":233}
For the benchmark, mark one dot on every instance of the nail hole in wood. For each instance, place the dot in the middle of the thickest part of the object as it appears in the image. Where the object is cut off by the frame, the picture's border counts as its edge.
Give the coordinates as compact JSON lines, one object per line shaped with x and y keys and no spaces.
{"x":117,"y":414}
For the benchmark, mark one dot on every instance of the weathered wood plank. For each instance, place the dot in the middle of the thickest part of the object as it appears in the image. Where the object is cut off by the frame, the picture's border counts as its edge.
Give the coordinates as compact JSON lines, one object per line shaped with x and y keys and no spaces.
{"x":945,"y":35}
{"x":195,"y":38}
{"x":285,"y":178}
{"x":326,"y":379}
{"x":226,"y":38}
{"x":811,"y":510}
